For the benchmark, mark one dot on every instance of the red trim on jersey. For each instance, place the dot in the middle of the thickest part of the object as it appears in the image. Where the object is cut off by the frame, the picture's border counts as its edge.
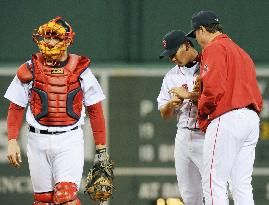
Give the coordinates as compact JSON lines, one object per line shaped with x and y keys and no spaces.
{"x":14,"y":120}
{"x":193,"y":83}
{"x":181,"y":71}
{"x":189,"y":114}
{"x":97,"y":121}
{"x":213,"y":161}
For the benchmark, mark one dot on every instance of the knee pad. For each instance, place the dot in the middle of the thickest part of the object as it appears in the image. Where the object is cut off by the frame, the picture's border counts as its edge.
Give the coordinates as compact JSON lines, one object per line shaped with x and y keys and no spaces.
{"x":43,"y":198}
{"x":65,"y":192}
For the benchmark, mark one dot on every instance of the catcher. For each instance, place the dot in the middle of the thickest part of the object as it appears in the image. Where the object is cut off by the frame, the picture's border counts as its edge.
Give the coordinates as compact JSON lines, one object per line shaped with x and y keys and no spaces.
{"x":57,"y":86}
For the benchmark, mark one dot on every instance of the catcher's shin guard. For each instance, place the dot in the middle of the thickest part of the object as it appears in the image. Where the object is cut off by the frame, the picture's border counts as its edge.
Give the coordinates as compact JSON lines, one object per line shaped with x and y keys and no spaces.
{"x":43,"y":198}
{"x":65,"y":192}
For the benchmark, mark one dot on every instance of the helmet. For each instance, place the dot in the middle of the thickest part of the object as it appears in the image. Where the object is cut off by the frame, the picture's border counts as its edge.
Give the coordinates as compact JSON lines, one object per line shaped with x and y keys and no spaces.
{"x":56,"y":28}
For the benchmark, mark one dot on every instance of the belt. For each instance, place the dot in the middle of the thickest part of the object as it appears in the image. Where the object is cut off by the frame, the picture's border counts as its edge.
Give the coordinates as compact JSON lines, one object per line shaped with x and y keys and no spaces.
{"x":46,"y":132}
{"x":249,"y":107}
{"x":191,"y":129}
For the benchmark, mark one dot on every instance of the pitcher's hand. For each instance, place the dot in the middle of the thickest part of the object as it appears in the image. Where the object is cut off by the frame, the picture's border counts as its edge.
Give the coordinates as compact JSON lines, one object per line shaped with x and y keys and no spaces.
{"x":180,"y":92}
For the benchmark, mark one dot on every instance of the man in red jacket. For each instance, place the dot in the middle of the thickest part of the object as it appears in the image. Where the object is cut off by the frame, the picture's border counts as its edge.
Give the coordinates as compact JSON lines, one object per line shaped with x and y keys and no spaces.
{"x":228,"y":108}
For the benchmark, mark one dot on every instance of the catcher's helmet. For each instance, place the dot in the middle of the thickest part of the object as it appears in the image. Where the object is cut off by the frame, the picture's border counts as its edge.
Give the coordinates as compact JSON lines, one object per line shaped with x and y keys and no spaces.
{"x":56,"y":28}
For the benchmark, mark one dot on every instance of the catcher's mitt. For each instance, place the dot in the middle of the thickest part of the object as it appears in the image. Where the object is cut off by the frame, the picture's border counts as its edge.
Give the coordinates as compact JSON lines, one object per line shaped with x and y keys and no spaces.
{"x":99,"y":181}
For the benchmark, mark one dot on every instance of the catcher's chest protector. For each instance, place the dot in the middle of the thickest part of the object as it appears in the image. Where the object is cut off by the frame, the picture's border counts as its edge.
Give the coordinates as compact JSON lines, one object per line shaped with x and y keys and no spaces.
{"x":56,"y":95}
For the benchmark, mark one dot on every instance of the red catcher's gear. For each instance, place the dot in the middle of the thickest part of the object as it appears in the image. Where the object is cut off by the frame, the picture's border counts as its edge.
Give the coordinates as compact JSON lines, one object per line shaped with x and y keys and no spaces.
{"x":43,"y":198}
{"x":228,"y":80}
{"x":97,"y":121}
{"x":56,"y":95}
{"x":14,"y":120}
{"x":65,"y":192}
{"x":24,"y":73}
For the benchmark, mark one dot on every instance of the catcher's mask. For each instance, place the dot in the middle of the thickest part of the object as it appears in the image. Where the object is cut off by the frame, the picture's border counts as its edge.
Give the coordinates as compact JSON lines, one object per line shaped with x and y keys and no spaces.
{"x":53,"y":38}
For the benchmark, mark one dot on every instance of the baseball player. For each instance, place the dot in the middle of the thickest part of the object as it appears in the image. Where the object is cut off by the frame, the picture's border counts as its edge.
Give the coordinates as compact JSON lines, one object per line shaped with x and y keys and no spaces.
{"x":228,"y":109}
{"x":56,"y":86}
{"x":189,"y":139}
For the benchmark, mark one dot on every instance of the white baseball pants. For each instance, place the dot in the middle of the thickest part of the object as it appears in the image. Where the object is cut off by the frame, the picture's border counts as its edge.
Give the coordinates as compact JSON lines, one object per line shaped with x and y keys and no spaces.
{"x":55,"y":158}
{"x":229,"y":153}
{"x":188,"y":162}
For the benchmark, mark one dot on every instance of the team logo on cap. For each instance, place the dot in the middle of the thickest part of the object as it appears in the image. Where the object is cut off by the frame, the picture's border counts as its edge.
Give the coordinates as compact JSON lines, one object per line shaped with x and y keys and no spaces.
{"x":164,"y":43}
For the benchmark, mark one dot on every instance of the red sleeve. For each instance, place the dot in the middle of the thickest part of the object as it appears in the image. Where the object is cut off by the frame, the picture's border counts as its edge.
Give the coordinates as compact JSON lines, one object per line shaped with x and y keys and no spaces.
{"x":14,"y":120}
{"x":97,"y":121}
{"x":213,"y":76}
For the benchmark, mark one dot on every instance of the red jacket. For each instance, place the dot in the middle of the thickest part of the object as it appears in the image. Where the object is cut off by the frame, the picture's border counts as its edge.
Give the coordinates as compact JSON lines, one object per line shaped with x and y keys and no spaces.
{"x":228,"y":80}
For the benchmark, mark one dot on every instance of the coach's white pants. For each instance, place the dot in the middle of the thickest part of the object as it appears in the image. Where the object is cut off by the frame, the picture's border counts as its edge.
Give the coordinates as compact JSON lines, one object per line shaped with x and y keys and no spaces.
{"x":229,"y":153}
{"x":55,"y":158}
{"x":188,"y":162}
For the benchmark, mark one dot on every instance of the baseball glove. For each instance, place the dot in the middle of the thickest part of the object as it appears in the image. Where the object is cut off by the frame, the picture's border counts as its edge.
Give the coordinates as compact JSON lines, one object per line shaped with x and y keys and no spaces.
{"x":197,"y":84}
{"x":196,"y":88}
{"x":99,"y":181}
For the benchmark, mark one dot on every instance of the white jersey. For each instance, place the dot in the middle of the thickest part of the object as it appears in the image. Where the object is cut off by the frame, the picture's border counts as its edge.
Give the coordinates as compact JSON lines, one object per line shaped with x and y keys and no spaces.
{"x":19,"y":93}
{"x":177,"y":77}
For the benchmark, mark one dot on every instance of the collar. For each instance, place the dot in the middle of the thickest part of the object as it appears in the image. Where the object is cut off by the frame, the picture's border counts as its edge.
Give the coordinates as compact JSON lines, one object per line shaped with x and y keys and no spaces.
{"x":221,"y":36}
{"x":196,"y":60}
{"x":191,"y":70}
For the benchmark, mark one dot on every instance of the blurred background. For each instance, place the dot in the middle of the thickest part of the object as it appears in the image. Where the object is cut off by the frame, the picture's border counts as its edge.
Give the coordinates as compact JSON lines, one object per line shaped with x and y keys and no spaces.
{"x":123,"y":40}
